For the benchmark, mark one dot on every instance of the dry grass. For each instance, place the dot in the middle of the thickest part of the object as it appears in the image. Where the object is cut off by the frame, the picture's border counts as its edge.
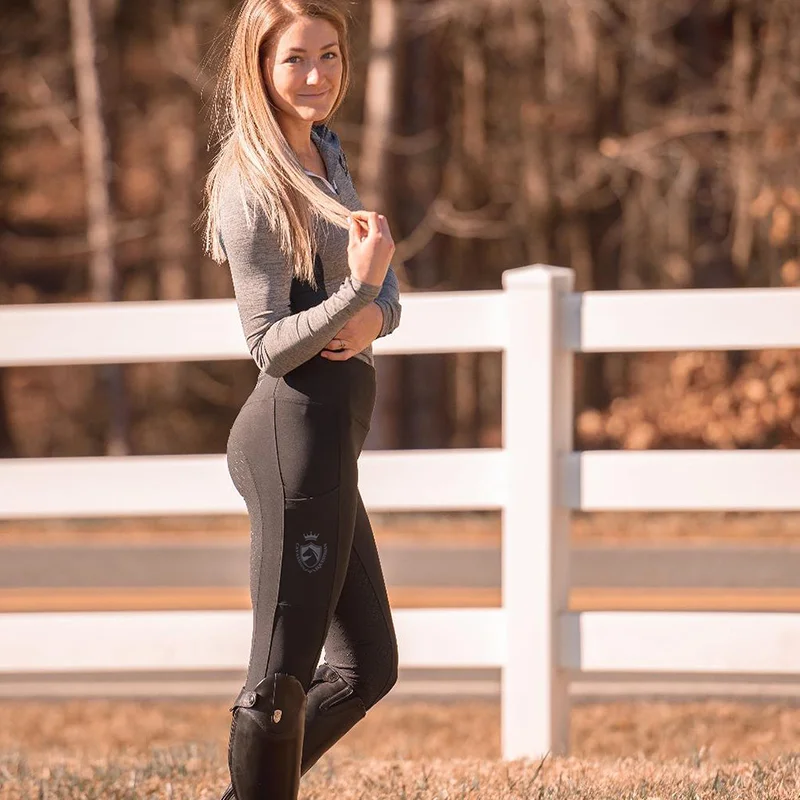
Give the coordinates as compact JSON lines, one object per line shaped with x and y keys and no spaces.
{"x":410,"y":751}
{"x":184,"y":774}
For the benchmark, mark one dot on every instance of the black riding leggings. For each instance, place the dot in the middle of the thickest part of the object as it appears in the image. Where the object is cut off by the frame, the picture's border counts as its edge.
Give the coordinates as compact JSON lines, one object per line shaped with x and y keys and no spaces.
{"x":315,"y":575}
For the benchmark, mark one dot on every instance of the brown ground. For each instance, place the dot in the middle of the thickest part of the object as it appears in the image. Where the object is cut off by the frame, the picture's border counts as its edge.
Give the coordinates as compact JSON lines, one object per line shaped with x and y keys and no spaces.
{"x":416,"y":751}
{"x":467,"y":528}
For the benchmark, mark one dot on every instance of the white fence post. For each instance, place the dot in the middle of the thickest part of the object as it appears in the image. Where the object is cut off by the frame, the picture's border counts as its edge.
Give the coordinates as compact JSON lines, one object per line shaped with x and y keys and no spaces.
{"x":537,"y":431}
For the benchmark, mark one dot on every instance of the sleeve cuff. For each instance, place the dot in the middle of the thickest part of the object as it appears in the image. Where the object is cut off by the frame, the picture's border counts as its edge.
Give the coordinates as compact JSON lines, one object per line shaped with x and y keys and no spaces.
{"x":364,"y":291}
{"x":386,"y":326}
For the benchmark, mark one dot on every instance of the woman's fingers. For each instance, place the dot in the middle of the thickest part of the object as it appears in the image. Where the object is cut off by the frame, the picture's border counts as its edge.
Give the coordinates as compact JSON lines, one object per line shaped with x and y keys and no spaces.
{"x":353,"y":232}
{"x":338,"y":355}
{"x":369,"y":254}
{"x":361,"y":218}
{"x":359,"y":229}
{"x":384,"y":226}
{"x":372,"y":222}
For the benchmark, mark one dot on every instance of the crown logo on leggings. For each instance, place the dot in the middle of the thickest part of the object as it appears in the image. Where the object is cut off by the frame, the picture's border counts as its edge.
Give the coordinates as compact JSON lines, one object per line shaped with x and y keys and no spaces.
{"x":311,"y":556}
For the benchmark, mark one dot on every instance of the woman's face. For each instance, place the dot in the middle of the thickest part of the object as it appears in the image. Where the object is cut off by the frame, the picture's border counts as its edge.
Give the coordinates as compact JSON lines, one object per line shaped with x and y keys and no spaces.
{"x":303,"y":70}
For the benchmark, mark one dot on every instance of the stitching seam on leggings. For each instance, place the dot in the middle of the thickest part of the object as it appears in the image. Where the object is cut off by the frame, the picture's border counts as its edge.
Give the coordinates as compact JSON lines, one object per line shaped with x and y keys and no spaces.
{"x":282,"y":537}
{"x":336,"y":550}
{"x":274,"y":399}
{"x":261,"y":540}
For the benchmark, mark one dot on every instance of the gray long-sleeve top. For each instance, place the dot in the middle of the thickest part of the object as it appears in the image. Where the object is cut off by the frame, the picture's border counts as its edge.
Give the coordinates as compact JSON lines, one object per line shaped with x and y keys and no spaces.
{"x":279,"y":336}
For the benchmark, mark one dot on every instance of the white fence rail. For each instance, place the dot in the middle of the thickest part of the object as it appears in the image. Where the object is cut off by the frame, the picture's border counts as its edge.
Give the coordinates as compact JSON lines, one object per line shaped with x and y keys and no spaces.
{"x":162,"y":485}
{"x":535,"y":479}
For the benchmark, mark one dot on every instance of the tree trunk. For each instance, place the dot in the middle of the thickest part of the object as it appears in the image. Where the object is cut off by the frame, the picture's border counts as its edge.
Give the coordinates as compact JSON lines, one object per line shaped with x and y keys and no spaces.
{"x":6,"y":442}
{"x":375,"y":189}
{"x":178,"y":115}
{"x":100,"y":222}
{"x":427,"y":380}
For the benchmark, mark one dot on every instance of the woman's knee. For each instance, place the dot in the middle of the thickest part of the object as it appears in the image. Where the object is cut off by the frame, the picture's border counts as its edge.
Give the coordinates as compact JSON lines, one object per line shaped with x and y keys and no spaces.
{"x":383,"y":674}
{"x":391,"y":680}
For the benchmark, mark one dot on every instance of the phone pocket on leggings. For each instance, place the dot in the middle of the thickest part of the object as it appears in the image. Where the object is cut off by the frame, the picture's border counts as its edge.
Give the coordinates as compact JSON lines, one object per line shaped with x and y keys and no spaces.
{"x":311,"y":531}
{"x":309,"y":450}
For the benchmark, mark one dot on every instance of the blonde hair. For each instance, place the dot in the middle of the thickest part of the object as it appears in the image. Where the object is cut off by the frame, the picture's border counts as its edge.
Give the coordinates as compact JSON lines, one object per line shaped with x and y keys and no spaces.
{"x":252,"y":145}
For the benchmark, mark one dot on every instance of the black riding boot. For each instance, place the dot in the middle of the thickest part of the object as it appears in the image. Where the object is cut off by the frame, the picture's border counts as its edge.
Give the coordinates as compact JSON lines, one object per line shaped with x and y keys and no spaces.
{"x":332,"y":709}
{"x":266,"y":741}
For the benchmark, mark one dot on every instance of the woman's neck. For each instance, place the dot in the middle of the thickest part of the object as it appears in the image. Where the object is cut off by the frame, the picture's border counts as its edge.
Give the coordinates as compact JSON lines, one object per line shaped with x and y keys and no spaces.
{"x":298,"y":134}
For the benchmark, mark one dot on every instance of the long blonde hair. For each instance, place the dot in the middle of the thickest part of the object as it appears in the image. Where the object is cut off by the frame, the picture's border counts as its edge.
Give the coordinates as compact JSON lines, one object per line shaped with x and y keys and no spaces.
{"x":252,"y":145}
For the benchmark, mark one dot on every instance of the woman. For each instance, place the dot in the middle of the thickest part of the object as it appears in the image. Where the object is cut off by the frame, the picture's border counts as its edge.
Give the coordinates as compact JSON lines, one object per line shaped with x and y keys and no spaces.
{"x":314,"y":288}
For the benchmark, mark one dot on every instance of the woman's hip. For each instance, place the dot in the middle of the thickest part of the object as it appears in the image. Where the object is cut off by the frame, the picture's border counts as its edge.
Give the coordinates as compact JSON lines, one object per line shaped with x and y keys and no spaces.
{"x":311,"y":423}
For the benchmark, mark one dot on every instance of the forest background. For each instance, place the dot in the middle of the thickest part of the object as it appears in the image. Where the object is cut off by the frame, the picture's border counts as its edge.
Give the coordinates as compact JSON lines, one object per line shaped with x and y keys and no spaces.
{"x":647,"y":144}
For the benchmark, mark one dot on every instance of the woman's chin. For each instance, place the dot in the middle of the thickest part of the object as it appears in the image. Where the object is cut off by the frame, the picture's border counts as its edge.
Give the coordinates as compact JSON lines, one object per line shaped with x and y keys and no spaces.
{"x":310,"y":114}
{"x":313,"y":113}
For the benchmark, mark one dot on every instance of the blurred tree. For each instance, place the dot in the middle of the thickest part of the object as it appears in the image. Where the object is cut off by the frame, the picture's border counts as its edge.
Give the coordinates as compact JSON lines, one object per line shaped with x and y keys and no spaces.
{"x":645,"y":143}
{"x":376,"y":185}
{"x":425,"y":385}
{"x":100,"y":220}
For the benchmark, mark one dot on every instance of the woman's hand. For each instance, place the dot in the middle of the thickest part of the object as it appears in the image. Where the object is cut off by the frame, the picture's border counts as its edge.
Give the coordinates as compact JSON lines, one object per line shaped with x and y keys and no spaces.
{"x":370,"y":248}
{"x":359,"y":332}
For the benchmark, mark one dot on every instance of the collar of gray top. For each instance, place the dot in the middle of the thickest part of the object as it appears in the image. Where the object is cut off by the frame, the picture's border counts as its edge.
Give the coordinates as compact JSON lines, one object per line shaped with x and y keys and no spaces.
{"x":332,"y":186}
{"x":328,"y":145}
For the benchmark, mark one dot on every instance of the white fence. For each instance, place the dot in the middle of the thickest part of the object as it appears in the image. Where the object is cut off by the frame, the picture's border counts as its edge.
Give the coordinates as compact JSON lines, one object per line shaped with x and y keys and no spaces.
{"x":535,"y":479}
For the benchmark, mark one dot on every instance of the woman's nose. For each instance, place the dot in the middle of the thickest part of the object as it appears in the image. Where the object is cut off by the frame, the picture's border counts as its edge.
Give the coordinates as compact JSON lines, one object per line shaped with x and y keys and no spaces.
{"x":313,"y":75}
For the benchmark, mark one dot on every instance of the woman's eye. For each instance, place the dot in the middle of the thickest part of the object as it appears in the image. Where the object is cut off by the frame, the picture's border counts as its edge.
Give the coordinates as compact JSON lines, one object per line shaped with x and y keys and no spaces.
{"x":291,"y":60}
{"x":332,"y":55}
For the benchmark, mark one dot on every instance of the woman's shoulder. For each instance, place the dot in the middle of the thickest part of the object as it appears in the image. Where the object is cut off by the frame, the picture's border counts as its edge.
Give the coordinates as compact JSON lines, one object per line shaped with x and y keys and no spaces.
{"x":242,"y":222}
{"x":238,"y":204}
{"x":234,"y":191}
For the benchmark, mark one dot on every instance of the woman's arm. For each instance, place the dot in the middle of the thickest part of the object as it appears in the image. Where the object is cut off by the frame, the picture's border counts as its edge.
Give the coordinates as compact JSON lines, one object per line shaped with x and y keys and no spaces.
{"x":278,"y":340}
{"x":388,"y":300}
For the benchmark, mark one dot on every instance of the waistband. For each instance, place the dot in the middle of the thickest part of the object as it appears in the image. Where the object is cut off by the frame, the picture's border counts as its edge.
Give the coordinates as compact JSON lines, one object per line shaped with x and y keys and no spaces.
{"x":348,"y":384}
